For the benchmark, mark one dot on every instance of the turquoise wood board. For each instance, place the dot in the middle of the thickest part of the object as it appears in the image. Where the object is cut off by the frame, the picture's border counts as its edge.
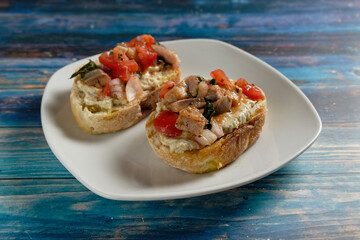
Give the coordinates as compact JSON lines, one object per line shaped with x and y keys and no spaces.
{"x":314,"y":43}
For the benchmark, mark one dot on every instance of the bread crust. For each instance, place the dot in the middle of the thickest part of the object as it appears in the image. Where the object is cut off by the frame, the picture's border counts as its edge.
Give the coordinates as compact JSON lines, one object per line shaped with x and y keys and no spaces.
{"x":104,"y":122}
{"x":213,"y":157}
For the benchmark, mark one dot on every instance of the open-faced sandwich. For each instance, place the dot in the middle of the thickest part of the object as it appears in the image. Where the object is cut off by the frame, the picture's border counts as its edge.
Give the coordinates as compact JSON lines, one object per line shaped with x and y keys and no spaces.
{"x":202,"y":125}
{"x":122,"y":86}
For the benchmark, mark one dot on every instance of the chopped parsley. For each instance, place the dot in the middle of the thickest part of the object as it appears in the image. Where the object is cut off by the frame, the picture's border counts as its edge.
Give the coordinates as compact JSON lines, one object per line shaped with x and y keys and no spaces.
{"x":208,"y":126}
{"x":209,"y":111}
{"x":213,"y":81}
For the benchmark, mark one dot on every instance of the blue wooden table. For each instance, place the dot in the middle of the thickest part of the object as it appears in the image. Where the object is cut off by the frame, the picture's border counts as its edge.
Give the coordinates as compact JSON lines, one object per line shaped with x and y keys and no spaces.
{"x":316,"y":44}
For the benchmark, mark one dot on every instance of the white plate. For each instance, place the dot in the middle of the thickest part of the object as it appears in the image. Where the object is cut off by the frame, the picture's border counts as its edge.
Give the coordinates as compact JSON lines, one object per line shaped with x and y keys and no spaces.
{"x":123,"y":166}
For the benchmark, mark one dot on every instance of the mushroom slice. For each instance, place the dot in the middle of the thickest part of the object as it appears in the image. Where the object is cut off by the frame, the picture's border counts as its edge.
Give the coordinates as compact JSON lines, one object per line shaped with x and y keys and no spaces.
{"x":184,"y":103}
{"x":223,"y":105}
{"x":96,"y":78}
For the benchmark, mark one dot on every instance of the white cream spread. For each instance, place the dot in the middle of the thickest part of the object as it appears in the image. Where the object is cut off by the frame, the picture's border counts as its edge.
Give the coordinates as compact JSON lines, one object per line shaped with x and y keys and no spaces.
{"x":243,"y":114}
{"x":91,"y":97}
{"x":152,"y":79}
{"x":178,"y":145}
{"x":229,"y":122}
{"x":160,"y":107}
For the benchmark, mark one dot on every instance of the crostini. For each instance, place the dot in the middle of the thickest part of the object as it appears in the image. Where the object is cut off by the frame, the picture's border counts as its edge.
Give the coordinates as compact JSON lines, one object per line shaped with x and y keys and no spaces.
{"x":202,"y":125}
{"x":122,"y":86}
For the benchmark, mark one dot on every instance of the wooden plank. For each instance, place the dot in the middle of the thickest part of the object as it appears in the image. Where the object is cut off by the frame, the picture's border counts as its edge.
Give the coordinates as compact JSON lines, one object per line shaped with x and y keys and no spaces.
{"x":257,"y":43}
{"x":85,"y":44}
{"x":272,"y":45}
{"x":266,"y":29}
{"x":260,"y":16}
{"x":29,"y":72}
{"x":312,"y":207}
{"x":31,"y":78}
{"x":310,"y":71}
{"x":318,"y":71}
{"x":157,"y":7}
{"x":337,"y":104}
{"x":20,"y":107}
{"x":24,"y":153}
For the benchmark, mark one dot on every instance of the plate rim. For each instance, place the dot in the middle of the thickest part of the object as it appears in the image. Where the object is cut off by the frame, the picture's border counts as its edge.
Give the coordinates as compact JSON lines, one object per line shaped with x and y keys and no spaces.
{"x":206,"y":190}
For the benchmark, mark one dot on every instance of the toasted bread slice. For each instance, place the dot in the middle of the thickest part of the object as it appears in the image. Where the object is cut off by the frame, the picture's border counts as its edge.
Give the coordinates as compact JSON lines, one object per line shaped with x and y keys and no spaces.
{"x":115,"y":119}
{"x":213,"y":157}
{"x":122,"y":86}
{"x":197,"y":158}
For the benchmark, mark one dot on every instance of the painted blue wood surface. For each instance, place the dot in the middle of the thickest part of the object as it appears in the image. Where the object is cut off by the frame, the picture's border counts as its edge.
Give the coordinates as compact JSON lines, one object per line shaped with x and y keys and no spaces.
{"x":278,"y":207}
{"x":314,"y":43}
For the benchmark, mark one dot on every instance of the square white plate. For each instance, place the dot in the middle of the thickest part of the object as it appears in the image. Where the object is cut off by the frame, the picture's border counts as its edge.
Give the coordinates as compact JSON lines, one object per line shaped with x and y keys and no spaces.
{"x":123,"y":166}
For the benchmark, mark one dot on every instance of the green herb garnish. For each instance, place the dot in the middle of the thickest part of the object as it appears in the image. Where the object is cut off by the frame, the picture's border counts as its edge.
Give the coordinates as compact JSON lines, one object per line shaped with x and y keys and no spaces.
{"x":209,"y":111}
{"x":85,"y":69}
{"x":213,"y":81}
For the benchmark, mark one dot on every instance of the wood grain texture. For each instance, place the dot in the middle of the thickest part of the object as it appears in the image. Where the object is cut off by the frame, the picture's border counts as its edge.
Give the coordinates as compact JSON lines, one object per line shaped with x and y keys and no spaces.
{"x":24,"y":153}
{"x":314,"y":43}
{"x":281,"y":206}
{"x":20,"y":107}
{"x":307,"y":71}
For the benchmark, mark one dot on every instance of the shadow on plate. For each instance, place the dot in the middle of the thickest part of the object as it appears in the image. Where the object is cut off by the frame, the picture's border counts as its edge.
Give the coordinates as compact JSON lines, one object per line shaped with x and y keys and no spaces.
{"x":142,"y":168}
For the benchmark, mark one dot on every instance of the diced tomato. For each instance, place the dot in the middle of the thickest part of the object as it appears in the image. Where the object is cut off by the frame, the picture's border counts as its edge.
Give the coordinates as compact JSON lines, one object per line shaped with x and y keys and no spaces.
{"x":108,"y":60}
{"x":165,"y":123}
{"x":106,"y":90}
{"x":135,"y":41}
{"x":146,"y":56}
{"x":167,"y":86}
{"x":220,"y":77}
{"x":251,"y":91}
{"x":119,"y":64}
{"x":112,"y":60}
{"x":121,"y":72}
{"x":148,"y":39}
{"x":241,"y":82}
{"x":131,"y":65}
{"x":119,"y":55}
{"x":144,"y":39}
